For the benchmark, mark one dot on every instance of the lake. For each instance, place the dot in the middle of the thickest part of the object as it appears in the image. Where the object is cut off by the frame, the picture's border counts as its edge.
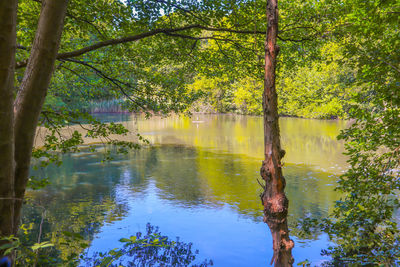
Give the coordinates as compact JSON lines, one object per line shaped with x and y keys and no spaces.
{"x":196,"y":181}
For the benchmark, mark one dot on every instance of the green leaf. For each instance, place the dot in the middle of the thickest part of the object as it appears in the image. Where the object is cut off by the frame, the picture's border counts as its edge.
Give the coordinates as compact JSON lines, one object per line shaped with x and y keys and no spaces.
{"x":45,"y":244}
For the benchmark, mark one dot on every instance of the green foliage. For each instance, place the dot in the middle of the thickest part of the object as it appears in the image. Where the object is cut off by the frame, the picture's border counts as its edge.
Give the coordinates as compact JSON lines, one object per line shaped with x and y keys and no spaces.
{"x":248,"y":96}
{"x":217,"y":93}
{"x":36,"y":183}
{"x":362,"y":224}
{"x":318,"y":90}
{"x":65,"y":130}
{"x":304,"y":263}
{"x":9,"y":243}
{"x":321,"y":89}
{"x":150,"y":249}
{"x":27,"y":255}
{"x":41,"y":245}
{"x":152,"y":75}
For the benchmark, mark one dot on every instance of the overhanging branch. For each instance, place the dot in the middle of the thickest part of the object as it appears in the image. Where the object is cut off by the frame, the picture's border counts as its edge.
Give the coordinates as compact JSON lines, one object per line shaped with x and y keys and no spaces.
{"x":140,"y":36}
{"x":113,"y":81}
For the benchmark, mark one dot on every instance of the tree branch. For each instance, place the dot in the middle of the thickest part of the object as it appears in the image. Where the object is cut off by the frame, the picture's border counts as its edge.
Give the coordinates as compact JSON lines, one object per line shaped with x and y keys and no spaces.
{"x":87,"y":22}
{"x":114,"y":81}
{"x":295,"y":40}
{"x":140,"y":36}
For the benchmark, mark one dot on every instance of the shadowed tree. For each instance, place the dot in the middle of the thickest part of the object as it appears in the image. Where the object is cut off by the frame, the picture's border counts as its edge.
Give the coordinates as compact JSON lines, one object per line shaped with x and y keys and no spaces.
{"x":19,"y":119}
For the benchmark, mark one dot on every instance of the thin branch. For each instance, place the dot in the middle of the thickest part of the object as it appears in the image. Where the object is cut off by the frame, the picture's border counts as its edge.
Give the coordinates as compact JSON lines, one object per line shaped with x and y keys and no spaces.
{"x":83,"y":94}
{"x":21,"y":47}
{"x":114,"y":81}
{"x":69,"y":119}
{"x":193,"y":47}
{"x":384,"y":61}
{"x":236,"y":43}
{"x":296,"y":28}
{"x":295,"y":40}
{"x":77,"y":74}
{"x":221,"y":50}
{"x":262,"y":186}
{"x":200,"y":38}
{"x":87,"y":22}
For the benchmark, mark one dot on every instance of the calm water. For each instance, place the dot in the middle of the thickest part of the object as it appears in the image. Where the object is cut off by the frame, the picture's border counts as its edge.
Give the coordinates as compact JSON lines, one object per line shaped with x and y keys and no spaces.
{"x":198,"y":182}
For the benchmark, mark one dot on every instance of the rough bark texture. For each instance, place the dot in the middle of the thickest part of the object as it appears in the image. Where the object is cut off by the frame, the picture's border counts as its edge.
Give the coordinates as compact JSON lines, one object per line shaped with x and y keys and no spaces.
{"x":33,"y":90}
{"x":8,"y":14}
{"x":274,"y":198}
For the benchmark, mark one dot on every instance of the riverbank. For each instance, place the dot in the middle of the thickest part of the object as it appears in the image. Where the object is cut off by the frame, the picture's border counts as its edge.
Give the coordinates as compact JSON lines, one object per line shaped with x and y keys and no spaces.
{"x":333,"y":118}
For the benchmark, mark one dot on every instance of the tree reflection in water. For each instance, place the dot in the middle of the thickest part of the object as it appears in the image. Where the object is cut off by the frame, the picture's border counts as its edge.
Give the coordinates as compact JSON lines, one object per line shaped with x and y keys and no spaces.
{"x":152,"y":249}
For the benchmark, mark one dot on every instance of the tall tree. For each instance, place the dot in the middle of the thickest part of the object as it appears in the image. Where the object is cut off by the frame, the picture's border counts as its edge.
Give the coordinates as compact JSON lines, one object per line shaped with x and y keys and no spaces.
{"x":8,"y":16}
{"x":33,"y":90}
{"x":273,"y":198}
{"x":15,"y":156}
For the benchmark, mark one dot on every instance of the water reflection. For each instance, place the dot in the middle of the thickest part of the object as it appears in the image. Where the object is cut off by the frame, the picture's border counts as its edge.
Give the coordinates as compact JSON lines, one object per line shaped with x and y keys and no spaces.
{"x":309,"y":142}
{"x":198,"y":182}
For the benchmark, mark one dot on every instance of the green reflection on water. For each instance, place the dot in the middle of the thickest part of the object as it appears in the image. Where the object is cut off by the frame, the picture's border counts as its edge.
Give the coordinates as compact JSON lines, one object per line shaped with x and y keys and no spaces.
{"x":205,"y":161}
{"x":309,"y":142}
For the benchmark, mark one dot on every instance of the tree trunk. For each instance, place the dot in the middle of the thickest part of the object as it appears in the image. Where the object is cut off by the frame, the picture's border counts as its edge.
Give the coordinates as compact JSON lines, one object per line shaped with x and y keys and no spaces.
{"x":33,"y":90}
{"x":18,"y":120}
{"x":8,"y":15}
{"x":274,"y":198}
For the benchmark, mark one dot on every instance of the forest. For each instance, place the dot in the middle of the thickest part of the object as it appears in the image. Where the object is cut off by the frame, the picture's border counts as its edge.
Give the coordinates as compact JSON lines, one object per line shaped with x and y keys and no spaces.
{"x":261,"y":132}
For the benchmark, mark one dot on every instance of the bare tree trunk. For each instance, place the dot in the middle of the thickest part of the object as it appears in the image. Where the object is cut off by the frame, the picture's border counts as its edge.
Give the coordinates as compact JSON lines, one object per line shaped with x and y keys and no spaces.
{"x":274,"y":198}
{"x":33,"y":90}
{"x":8,"y":14}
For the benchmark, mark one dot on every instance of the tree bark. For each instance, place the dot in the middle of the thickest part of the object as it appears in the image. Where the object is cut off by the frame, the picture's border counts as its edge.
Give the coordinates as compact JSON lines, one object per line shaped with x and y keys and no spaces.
{"x":33,"y":90}
{"x":274,"y":198}
{"x":8,"y":15}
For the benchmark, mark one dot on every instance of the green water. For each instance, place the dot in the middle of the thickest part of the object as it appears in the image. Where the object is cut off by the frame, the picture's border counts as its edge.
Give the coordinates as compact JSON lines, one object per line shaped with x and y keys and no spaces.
{"x":197,"y":181}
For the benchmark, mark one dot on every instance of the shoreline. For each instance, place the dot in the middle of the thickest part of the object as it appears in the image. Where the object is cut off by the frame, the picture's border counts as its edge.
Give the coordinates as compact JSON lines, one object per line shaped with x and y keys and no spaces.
{"x":217,"y":113}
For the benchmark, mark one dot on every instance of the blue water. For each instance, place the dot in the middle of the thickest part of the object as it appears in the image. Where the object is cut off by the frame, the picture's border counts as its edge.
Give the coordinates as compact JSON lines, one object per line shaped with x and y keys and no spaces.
{"x":202,"y":193}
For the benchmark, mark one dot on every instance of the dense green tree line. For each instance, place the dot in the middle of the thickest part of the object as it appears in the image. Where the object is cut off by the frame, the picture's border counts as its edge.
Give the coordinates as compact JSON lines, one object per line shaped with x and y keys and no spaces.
{"x":363,"y":223}
{"x":320,"y":88}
